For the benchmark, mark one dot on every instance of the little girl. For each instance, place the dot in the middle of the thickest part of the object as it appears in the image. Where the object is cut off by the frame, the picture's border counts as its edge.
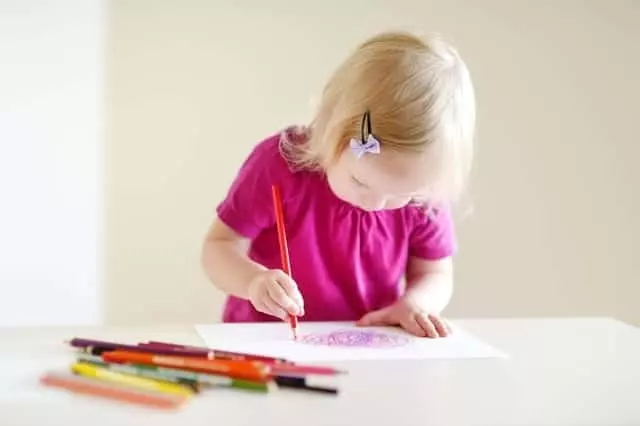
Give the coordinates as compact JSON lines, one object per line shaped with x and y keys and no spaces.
{"x":366,"y":191}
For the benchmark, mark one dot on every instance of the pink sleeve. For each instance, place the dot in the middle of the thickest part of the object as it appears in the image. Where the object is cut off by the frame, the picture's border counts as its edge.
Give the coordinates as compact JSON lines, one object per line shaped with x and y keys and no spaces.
{"x":433,"y":236}
{"x":248,"y":205}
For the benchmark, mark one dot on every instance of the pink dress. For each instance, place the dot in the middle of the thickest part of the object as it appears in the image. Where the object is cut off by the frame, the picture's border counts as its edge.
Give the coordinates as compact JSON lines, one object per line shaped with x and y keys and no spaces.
{"x":346,"y":261}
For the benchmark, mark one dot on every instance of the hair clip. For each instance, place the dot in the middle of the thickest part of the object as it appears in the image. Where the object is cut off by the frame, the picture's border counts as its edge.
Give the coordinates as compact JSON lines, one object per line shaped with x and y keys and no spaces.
{"x":368,"y":145}
{"x":371,"y":146}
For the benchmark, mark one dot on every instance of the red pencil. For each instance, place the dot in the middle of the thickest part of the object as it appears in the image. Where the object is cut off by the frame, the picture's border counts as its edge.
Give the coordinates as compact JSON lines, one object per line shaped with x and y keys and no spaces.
{"x":284,"y":250}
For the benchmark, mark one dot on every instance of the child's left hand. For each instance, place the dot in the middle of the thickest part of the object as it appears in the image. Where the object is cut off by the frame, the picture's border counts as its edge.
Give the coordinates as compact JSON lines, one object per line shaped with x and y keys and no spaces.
{"x":407,"y":315}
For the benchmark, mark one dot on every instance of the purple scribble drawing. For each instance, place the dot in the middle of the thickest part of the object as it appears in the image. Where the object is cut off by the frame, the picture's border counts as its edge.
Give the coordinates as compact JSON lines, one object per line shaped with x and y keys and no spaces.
{"x":355,"y":339}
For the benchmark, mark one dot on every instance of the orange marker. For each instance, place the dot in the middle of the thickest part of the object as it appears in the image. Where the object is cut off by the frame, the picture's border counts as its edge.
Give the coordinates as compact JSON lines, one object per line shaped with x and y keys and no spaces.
{"x":239,"y":369}
{"x":284,"y":250}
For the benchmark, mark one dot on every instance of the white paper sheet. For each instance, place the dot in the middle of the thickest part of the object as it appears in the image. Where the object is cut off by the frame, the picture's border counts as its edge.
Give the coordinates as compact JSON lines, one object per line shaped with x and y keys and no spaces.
{"x":341,"y":341}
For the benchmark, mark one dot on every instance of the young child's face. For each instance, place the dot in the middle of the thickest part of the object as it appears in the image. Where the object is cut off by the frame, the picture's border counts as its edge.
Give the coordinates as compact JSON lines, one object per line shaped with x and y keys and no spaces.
{"x":378,"y":181}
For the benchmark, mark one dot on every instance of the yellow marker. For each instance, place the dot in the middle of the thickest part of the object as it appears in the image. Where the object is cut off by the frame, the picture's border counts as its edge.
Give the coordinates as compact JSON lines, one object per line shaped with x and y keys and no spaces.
{"x":90,"y":370}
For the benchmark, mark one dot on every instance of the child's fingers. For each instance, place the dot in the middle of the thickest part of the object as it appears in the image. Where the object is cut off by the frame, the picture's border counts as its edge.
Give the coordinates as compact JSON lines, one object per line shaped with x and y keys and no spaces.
{"x":426,"y":325}
{"x":411,"y":325}
{"x":440,"y":325}
{"x":380,"y":317}
{"x":272,"y":308}
{"x":278,"y":295}
{"x":447,"y":326}
{"x":291,"y":289}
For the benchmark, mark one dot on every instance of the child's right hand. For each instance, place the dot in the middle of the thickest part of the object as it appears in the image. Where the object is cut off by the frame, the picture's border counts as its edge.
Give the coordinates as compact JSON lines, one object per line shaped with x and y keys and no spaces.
{"x":274,"y":293}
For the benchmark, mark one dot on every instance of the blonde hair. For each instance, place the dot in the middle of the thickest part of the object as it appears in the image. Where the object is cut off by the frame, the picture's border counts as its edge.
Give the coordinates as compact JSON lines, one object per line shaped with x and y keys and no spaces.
{"x":421,"y":100}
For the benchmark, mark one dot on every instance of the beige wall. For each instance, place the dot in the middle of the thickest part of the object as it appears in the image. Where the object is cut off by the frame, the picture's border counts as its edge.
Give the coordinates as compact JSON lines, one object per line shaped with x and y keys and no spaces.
{"x":192,"y":85}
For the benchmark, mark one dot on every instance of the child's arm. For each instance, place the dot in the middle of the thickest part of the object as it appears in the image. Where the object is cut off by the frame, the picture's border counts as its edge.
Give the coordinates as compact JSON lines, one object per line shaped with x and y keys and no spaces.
{"x":430,"y":283}
{"x":225,"y":260}
{"x":429,"y":277}
{"x":429,"y":289}
{"x":244,"y":213}
{"x":226,"y":264}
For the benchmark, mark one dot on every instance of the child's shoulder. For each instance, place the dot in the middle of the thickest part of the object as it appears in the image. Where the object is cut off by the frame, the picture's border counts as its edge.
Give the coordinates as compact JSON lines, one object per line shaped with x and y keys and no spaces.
{"x":265,"y":157}
{"x":269,"y":151}
{"x":420,"y":215}
{"x":267,"y":161}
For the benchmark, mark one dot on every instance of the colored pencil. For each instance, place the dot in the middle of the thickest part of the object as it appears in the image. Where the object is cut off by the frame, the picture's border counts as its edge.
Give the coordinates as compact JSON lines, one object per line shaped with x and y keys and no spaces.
{"x":210,"y":380}
{"x":300,"y":383}
{"x":213,"y":353}
{"x":283,"y":366}
{"x":289,"y":370}
{"x":97,"y":347}
{"x":179,"y":376}
{"x":89,"y":370}
{"x":78,"y":384}
{"x":284,"y":249}
{"x":239,"y":369}
{"x":134,"y":370}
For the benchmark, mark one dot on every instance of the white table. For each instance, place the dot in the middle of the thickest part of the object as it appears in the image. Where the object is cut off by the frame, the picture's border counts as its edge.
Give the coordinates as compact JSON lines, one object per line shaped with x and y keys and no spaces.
{"x":571,"y":371}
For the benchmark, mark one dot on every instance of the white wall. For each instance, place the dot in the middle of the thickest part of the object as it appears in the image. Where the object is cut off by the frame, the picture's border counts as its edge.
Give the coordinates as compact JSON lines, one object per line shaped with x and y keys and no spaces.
{"x":194,"y":84}
{"x":51,"y":142}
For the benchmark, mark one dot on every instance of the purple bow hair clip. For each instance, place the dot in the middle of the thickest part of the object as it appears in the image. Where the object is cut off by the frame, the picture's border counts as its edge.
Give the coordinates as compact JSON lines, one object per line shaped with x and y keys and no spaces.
{"x":363,"y":146}
{"x":360,"y":148}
